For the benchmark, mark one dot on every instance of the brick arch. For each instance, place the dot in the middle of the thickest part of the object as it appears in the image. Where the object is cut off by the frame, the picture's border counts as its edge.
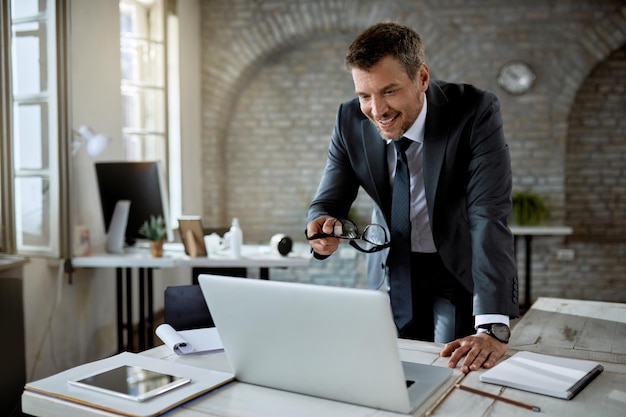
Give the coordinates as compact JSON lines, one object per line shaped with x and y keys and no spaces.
{"x":602,"y":44}
{"x":595,"y":44}
{"x":596,"y":153}
{"x":275,"y":30}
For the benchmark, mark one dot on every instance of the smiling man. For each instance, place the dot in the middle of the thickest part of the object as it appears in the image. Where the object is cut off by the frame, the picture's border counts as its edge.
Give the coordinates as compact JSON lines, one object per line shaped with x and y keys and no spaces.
{"x":433,"y":158}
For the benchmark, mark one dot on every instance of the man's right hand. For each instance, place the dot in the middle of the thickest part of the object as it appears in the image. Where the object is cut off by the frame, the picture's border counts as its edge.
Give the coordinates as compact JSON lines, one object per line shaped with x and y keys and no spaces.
{"x":327,"y":245}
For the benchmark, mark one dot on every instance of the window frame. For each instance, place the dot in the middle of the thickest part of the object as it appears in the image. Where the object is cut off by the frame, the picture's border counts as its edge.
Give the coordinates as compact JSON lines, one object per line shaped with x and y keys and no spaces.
{"x":164,"y":37}
{"x":55,"y":169}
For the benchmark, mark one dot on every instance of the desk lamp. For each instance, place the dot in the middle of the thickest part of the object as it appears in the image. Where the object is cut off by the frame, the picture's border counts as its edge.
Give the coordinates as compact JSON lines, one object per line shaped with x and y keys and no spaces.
{"x":94,"y":143}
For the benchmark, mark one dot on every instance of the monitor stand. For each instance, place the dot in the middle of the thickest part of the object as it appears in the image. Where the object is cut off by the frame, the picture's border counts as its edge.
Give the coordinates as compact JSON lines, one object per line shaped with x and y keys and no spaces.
{"x":116,"y":235}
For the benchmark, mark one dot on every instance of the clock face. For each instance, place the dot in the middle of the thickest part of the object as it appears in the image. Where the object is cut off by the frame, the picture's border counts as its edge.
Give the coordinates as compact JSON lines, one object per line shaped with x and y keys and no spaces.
{"x":516,"y":77}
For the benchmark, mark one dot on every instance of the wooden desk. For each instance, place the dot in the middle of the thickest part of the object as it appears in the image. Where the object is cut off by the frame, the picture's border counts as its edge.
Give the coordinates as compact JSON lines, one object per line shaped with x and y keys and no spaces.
{"x":594,"y":330}
{"x":255,"y":260}
{"x":576,"y":321}
{"x":528,"y":232}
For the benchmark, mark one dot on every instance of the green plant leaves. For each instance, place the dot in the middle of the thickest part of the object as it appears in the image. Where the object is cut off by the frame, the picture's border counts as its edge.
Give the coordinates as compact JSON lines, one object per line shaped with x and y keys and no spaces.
{"x":154,"y":228}
{"x":528,"y":209}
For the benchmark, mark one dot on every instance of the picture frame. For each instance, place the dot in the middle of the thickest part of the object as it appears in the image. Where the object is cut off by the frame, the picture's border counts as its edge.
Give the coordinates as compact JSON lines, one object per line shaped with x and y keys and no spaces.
{"x":192,"y":235}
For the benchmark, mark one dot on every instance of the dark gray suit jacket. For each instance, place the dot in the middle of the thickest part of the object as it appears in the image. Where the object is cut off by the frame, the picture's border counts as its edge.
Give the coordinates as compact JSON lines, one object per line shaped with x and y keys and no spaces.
{"x":467,"y":179}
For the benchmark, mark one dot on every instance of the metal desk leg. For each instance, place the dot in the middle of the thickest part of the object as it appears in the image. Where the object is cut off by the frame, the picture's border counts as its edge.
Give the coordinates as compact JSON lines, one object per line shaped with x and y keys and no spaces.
{"x":120,"y":309}
{"x":146,"y":309}
{"x":124,"y":297}
{"x":150,"y":326}
{"x":129,"y":310}
{"x":527,"y":269}
{"x":529,"y":255}
{"x":142,"y":310}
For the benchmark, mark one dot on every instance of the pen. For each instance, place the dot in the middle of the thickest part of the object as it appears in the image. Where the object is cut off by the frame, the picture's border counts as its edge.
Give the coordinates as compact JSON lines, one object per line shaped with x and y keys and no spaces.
{"x":497,"y":397}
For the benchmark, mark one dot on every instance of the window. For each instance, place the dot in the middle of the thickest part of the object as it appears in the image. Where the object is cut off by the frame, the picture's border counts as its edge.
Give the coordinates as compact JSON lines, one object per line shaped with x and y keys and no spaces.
{"x":149,"y":64}
{"x":31,"y":174}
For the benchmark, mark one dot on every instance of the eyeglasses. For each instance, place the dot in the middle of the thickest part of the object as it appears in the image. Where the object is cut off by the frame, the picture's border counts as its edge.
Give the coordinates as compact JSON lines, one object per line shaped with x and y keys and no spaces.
{"x":374,"y":235}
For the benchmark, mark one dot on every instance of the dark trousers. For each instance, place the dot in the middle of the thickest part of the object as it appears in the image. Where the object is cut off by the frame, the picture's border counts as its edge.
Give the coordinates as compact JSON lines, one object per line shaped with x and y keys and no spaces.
{"x":442,"y":307}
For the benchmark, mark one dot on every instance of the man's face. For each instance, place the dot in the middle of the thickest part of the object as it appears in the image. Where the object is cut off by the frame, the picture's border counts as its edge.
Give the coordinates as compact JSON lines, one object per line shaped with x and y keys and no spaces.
{"x":388,"y":97}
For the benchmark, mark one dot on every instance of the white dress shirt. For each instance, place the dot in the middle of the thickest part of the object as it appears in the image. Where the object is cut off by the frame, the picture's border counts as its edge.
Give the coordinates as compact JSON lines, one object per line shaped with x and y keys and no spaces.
{"x":421,"y":235}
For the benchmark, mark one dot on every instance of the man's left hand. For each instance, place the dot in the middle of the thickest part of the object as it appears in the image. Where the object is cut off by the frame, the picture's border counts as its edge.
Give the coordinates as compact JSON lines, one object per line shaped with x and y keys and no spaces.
{"x":478,"y":349}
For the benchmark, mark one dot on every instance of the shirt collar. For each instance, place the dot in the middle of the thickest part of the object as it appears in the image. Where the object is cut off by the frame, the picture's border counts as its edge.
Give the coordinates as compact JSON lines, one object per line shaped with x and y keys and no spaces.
{"x":416,"y":131}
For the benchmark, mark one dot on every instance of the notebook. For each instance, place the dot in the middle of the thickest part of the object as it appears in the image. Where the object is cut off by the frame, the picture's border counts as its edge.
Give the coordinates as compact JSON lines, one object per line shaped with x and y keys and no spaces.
{"x":544,"y":374}
{"x":329,"y":342}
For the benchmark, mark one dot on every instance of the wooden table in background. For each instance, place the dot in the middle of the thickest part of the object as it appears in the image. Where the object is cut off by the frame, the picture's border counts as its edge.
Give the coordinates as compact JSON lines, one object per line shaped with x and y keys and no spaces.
{"x":528,"y":232}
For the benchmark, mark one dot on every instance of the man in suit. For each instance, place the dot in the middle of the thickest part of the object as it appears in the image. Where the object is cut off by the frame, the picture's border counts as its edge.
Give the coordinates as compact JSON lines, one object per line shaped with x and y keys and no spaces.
{"x":458,"y":283}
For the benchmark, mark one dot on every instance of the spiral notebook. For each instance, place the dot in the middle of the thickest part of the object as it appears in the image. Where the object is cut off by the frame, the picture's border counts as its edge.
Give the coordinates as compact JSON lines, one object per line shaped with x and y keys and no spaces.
{"x":544,"y":374}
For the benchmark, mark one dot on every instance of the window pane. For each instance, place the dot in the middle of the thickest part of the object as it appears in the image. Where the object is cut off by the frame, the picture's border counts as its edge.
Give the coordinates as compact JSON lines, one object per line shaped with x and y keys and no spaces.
{"x":32,"y":208}
{"x":28,"y":66}
{"x":143,"y":109}
{"x":26,"y":8}
{"x":154,"y":148}
{"x":127,"y":18}
{"x":130,"y":63}
{"x":154,"y":110}
{"x":143,"y":62}
{"x":148,"y":147}
{"x":31,"y":142}
{"x":130,"y":106}
{"x":132,"y":148}
{"x":155,"y":16}
{"x":155,"y":71}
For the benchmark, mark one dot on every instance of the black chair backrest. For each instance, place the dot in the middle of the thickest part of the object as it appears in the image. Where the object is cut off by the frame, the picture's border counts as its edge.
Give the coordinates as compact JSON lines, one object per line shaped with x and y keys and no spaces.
{"x":185,"y":308}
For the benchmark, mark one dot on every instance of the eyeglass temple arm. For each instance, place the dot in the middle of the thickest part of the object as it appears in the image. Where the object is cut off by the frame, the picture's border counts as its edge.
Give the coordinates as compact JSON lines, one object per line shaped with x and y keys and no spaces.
{"x":376,"y":248}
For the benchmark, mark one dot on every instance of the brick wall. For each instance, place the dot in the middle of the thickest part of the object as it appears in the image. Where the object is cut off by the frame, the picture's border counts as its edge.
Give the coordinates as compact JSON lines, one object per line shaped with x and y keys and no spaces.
{"x":273,"y":77}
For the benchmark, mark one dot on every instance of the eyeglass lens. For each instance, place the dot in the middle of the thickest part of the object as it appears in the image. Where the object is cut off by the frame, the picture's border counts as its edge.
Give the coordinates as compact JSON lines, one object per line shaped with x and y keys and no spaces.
{"x":347,"y":229}
{"x":373,"y":233}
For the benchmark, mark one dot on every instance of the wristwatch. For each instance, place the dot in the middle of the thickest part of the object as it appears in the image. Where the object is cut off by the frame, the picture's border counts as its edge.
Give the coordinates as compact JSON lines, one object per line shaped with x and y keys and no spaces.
{"x":499,"y":331}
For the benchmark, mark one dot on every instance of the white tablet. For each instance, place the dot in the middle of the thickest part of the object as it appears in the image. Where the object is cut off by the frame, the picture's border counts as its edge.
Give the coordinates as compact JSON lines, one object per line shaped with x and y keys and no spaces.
{"x":130,"y":382}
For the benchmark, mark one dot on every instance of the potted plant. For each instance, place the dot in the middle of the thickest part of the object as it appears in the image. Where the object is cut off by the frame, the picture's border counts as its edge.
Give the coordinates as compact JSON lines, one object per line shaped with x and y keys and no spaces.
{"x":155,"y":231}
{"x":528,"y":209}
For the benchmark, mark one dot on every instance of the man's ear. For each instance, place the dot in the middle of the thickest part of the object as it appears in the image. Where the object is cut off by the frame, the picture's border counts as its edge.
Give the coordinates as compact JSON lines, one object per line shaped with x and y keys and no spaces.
{"x":423,"y":75}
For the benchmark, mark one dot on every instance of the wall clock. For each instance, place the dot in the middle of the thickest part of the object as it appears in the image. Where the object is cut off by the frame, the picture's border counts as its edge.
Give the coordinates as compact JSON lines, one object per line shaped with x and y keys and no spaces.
{"x":516,"y":77}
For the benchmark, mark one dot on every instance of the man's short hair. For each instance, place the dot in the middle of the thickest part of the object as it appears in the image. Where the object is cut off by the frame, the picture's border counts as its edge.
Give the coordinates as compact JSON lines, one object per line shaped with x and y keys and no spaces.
{"x":386,"y":39}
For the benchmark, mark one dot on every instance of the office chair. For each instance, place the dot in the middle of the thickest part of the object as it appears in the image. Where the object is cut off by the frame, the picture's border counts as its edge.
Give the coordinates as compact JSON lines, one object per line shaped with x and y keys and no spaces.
{"x":185,"y":308}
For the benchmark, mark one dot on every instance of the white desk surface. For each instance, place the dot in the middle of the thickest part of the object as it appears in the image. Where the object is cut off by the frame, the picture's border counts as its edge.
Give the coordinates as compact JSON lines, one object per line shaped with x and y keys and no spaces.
{"x":541,"y":230}
{"x":253,"y":256}
{"x":604,"y":397}
{"x":9,"y":262}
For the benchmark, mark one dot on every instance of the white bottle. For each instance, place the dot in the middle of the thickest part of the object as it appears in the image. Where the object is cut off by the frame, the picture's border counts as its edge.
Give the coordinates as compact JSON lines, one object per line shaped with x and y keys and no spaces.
{"x":236,"y":239}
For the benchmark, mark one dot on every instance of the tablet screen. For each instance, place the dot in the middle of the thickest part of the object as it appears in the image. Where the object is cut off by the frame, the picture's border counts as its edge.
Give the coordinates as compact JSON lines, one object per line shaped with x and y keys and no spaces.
{"x":131,"y":382}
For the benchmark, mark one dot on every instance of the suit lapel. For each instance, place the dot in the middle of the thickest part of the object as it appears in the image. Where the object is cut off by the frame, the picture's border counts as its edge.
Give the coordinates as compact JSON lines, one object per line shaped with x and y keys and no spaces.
{"x":376,"y":153}
{"x":436,"y":132}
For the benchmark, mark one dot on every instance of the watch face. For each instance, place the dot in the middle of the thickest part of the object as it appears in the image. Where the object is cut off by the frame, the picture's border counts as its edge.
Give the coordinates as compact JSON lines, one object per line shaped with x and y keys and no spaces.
{"x":501,"y":332}
{"x":516,"y":77}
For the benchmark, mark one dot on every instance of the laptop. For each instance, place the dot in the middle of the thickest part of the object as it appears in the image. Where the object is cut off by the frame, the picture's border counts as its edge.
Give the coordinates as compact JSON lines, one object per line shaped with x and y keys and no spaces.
{"x":329,"y":342}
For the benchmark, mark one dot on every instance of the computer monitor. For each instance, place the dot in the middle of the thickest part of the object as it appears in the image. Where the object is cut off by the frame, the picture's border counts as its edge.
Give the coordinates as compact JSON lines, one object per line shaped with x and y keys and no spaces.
{"x":142,"y":184}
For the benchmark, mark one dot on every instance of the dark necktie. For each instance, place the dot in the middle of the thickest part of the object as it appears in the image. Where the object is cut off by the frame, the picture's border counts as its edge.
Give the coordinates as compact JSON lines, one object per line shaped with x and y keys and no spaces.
{"x":399,"y":256}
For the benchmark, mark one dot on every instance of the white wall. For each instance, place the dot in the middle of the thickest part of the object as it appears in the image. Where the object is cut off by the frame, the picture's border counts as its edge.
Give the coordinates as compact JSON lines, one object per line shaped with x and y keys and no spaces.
{"x":68,"y":324}
{"x":191,"y":98}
